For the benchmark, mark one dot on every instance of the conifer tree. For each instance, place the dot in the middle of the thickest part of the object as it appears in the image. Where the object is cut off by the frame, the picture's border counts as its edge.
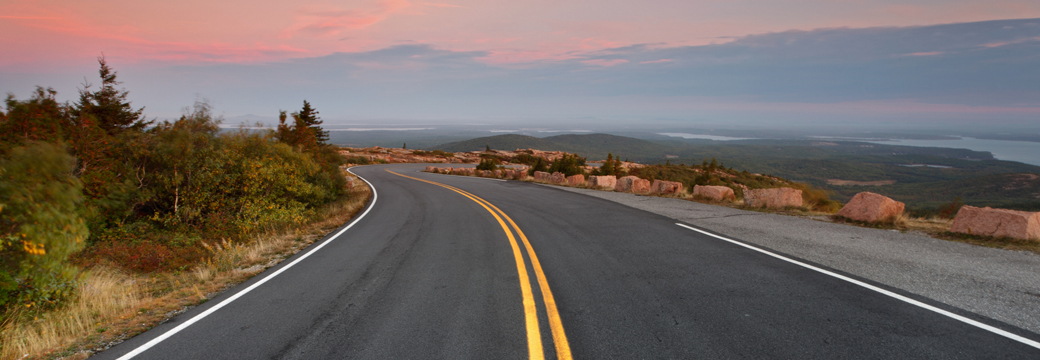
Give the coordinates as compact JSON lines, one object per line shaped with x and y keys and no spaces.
{"x":608,"y":166}
{"x":108,"y":106}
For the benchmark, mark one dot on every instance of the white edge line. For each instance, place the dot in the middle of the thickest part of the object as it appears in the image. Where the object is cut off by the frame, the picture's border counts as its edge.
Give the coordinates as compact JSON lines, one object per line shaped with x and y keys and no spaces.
{"x":960,"y":318}
{"x":211,"y":310}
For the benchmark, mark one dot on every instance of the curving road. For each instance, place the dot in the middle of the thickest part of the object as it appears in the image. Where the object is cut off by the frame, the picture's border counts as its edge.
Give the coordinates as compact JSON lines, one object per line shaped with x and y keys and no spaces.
{"x":441,"y":267}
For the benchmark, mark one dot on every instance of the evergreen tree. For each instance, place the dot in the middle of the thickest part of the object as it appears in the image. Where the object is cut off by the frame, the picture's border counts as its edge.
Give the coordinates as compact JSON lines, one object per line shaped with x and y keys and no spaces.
{"x":307,"y":126}
{"x":608,"y":166}
{"x":108,"y":106}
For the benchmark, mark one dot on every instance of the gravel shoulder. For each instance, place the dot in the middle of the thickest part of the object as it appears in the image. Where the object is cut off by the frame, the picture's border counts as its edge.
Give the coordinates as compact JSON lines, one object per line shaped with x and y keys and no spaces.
{"x":1000,"y":284}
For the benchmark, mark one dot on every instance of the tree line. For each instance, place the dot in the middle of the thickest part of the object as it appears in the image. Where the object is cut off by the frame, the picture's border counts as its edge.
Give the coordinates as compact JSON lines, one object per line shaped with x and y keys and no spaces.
{"x":96,"y":181}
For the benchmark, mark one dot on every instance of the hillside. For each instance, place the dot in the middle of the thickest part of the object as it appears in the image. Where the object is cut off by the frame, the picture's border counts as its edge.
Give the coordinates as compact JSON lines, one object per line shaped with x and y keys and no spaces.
{"x":592,"y":146}
{"x":975,"y":176}
{"x":501,"y":142}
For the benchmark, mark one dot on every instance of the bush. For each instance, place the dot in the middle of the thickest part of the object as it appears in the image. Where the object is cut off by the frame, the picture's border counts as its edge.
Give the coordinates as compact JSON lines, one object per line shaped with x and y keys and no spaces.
{"x":487,"y":164}
{"x":569,"y":165}
{"x":39,"y":225}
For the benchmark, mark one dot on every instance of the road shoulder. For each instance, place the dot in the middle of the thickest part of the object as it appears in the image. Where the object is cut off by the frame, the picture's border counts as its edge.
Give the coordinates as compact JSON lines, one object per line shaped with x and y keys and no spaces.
{"x":1000,"y":284}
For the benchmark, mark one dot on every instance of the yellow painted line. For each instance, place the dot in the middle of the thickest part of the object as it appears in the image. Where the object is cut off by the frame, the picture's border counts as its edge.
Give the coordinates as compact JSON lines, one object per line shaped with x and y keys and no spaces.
{"x":534,"y":335}
{"x":563,"y":349}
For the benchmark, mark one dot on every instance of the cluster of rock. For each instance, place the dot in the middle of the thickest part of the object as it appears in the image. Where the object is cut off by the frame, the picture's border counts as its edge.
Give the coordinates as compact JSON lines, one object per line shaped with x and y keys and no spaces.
{"x":997,"y":222}
{"x":518,"y":173}
{"x":399,"y":155}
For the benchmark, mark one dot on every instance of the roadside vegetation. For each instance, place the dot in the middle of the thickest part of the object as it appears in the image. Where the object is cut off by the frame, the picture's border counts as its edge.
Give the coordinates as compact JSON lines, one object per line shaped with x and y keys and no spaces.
{"x":899,"y":172}
{"x":103,"y":210}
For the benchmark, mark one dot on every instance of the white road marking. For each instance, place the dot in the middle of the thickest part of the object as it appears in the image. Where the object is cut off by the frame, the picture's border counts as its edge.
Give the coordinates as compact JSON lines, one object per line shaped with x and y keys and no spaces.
{"x":960,"y":318}
{"x":211,"y":310}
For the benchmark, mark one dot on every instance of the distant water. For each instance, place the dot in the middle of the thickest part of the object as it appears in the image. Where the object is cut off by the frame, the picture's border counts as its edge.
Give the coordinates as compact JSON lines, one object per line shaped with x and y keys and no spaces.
{"x":701,"y":136}
{"x":1022,"y":151}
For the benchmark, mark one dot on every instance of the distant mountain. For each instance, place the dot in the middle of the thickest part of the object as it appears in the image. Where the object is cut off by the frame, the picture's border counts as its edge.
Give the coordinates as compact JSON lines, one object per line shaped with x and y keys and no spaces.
{"x":592,"y":146}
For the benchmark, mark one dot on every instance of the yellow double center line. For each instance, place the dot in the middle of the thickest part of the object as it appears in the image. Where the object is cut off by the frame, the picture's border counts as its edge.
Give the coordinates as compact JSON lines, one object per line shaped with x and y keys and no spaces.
{"x":534,"y":335}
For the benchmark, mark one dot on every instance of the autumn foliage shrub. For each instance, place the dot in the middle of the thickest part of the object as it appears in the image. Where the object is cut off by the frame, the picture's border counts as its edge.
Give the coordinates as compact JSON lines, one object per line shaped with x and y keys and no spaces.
{"x":39,"y":225}
{"x":140,"y":195}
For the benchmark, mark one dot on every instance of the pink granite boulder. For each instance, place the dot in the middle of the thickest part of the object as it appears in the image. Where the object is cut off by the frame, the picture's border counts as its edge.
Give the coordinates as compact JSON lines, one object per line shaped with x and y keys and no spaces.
{"x":558,"y":178}
{"x":541,"y":176}
{"x":497,"y":174}
{"x":871,"y":207}
{"x":997,"y":222}
{"x":576,"y":180}
{"x":773,"y":198}
{"x":717,"y":193}
{"x":431,"y":169}
{"x":633,"y":184}
{"x":666,"y":187}
{"x":603,"y":182}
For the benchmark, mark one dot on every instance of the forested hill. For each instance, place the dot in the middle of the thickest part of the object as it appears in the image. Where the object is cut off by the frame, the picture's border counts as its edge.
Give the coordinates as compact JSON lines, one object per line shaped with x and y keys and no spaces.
{"x":592,"y":146}
{"x":975,"y":177}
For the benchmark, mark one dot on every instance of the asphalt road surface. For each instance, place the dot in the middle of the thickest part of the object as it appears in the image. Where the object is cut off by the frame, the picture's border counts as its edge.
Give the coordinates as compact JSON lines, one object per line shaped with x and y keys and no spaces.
{"x":456,"y":267}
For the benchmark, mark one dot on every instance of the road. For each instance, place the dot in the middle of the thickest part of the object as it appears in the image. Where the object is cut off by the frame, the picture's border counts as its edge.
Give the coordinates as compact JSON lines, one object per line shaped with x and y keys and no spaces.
{"x":441,"y":267}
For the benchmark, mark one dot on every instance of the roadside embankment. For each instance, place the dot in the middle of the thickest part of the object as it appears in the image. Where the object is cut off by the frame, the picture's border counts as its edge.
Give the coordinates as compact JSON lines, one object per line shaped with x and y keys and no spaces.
{"x":116,"y":305}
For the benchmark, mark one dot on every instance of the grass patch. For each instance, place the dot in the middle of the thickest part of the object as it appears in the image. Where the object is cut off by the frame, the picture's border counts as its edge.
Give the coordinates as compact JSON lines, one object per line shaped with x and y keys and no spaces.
{"x":113,"y":305}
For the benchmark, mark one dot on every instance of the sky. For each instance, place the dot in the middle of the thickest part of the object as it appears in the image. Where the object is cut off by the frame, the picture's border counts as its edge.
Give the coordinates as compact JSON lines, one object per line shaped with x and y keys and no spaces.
{"x":738,"y":61}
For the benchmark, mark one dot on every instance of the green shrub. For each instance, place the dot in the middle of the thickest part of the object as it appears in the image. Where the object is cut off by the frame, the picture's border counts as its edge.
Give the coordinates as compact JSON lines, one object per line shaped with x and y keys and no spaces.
{"x":39,"y":225}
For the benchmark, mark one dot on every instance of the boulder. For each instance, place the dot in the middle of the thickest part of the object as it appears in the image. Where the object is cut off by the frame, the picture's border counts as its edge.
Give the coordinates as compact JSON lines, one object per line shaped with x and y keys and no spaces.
{"x":997,"y":222}
{"x":603,"y":182}
{"x":431,"y":169}
{"x":497,"y":174}
{"x":541,"y":176}
{"x":470,"y":171}
{"x":666,"y":187}
{"x":871,"y":207}
{"x":717,"y":193}
{"x":458,"y":171}
{"x":576,"y":180}
{"x":633,"y":184}
{"x":558,"y":178}
{"x":484,"y":173}
{"x":773,"y":198}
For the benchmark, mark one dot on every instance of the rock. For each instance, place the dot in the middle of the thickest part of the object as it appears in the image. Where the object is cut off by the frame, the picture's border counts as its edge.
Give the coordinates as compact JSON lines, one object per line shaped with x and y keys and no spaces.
{"x":997,"y":222}
{"x":576,"y":180}
{"x":484,"y":173}
{"x":871,"y":207}
{"x":773,"y":198}
{"x":497,"y":174}
{"x":633,"y":184}
{"x":558,"y":178}
{"x":469,"y":171}
{"x":666,"y":187}
{"x":717,"y":193}
{"x":541,"y":176}
{"x":603,"y":182}
{"x":431,"y":169}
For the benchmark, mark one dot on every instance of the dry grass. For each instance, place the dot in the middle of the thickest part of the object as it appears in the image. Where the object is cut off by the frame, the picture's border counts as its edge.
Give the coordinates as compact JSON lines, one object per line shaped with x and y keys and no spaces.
{"x":113,"y":306}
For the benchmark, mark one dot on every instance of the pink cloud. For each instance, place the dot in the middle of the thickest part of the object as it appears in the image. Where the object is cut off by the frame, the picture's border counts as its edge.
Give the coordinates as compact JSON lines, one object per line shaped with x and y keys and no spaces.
{"x":440,"y":5}
{"x":330,"y":22}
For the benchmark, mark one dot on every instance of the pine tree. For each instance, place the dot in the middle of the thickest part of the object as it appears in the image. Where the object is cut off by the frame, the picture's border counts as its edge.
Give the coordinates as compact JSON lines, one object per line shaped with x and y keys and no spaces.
{"x":307,"y":122}
{"x":608,"y":166}
{"x":108,"y":105}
